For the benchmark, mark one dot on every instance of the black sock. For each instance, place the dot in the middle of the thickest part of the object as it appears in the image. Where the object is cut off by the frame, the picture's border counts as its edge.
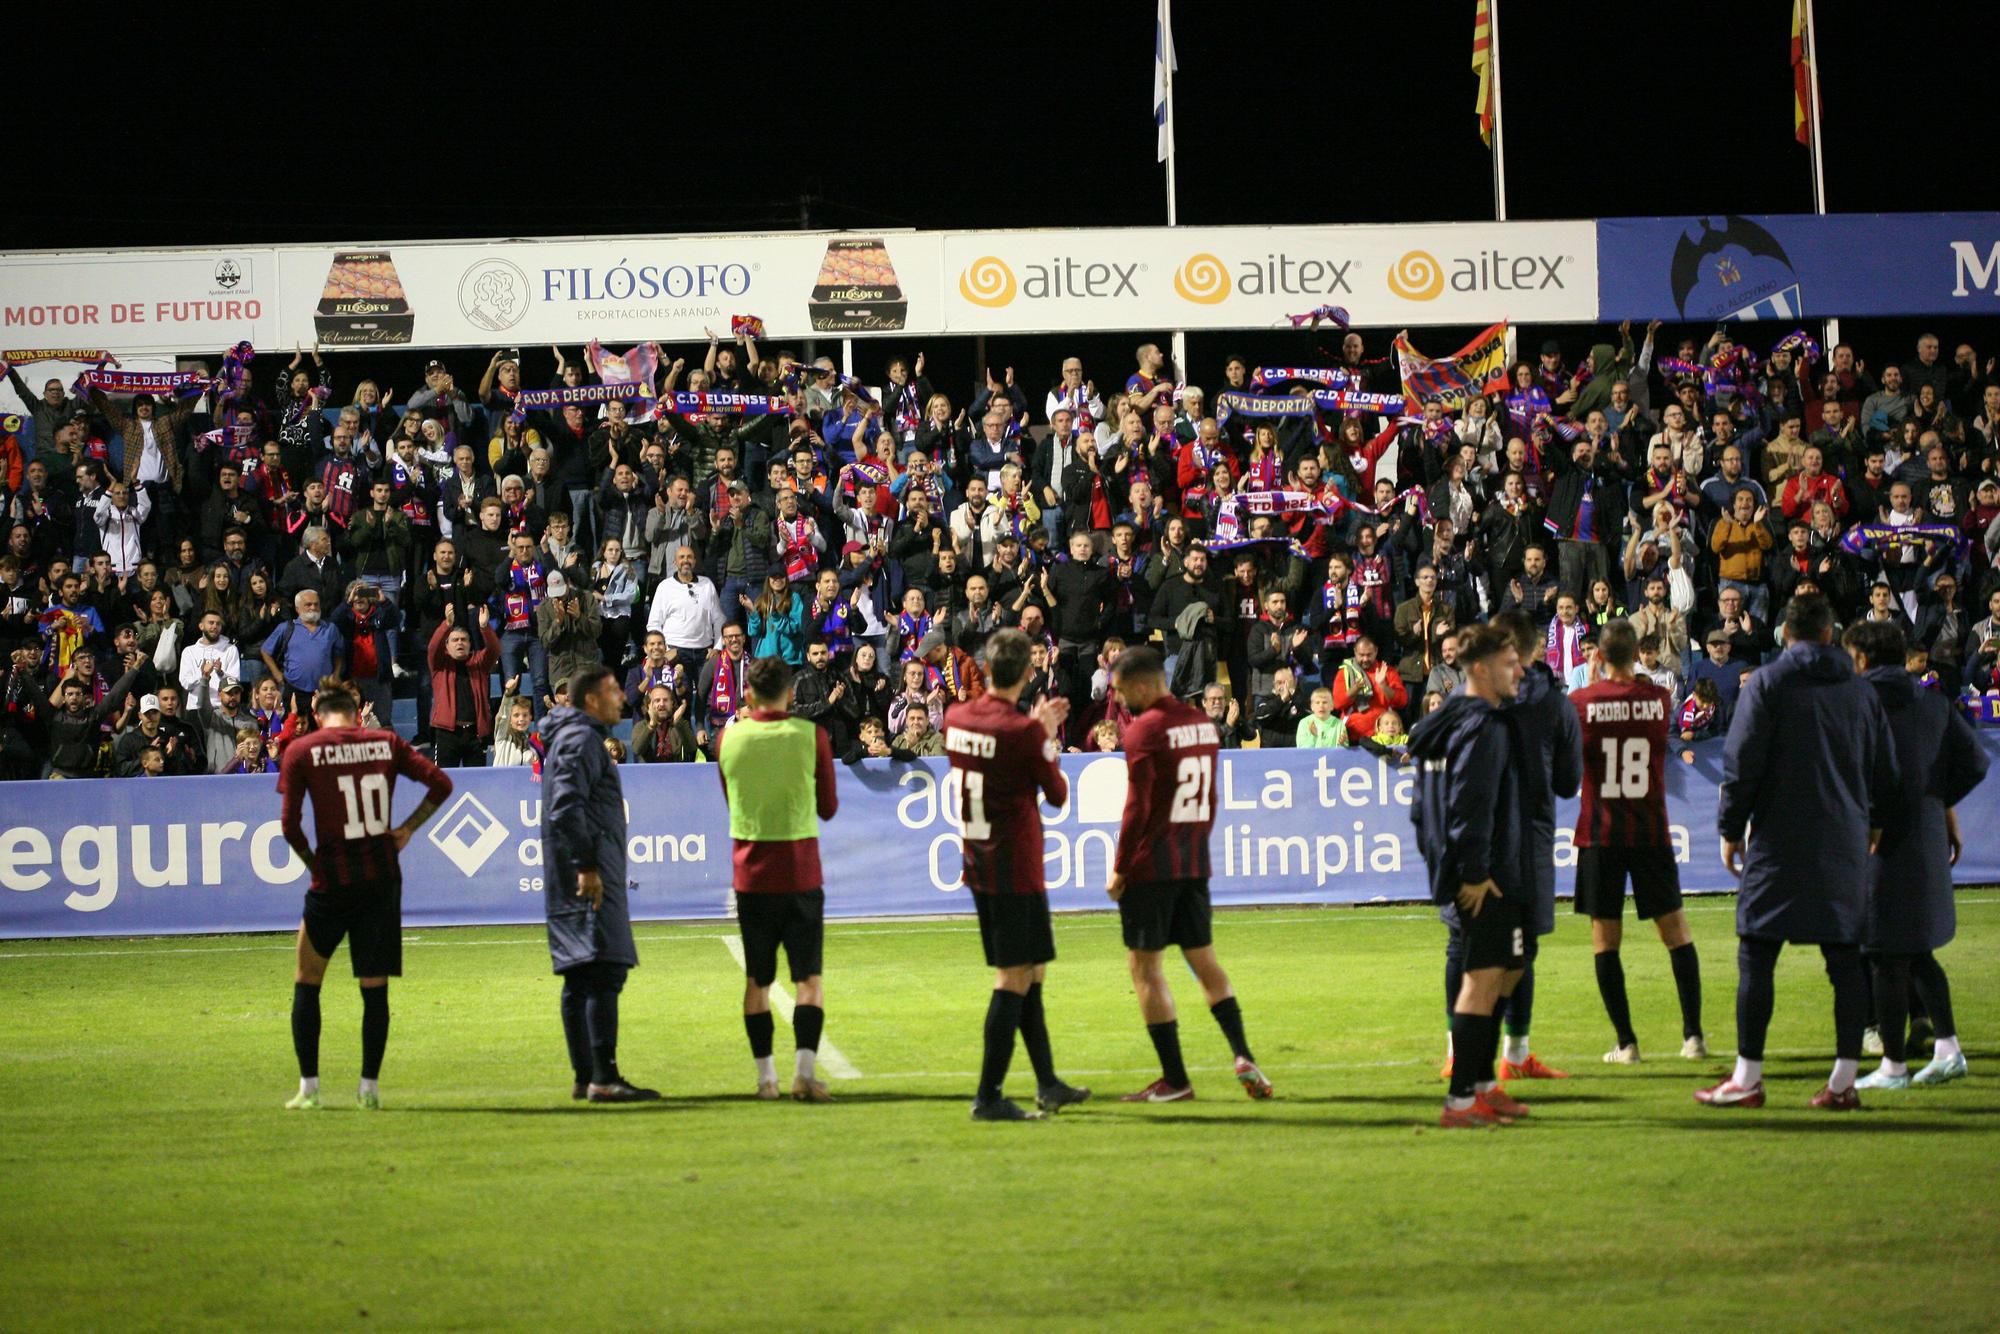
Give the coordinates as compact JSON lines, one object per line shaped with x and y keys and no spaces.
{"x":1003,"y":1020}
{"x":1468,"y":1066}
{"x":1454,"y":975}
{"x":1851,"y":999}
{"x":1518,"y":1010}
{"x":1687,"y":981}
{"x":807,"y":1021}
{"x":305,"y":1028}
{"x":1035,"y":1037}
{"x":1167,"y":1042}
{"x":1611,"y":986}
{"x":1230,"y":1016}
{"x":600,"y":1014}
{"x":374,"y":1029}
{"x":1489,"y":1045}
{"x":576,"y":1032}
{"x":1756,"y":993}
{"x":760,"y":1027}
{"x":1891,"y":974}
{"x":1928,"y":976}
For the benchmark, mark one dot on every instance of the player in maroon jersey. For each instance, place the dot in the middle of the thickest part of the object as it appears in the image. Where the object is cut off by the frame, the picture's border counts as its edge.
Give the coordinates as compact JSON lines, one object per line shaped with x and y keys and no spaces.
{"x":1160,"y":878}
{"x":1005,"y":759}
{"x":357,"y":884}
{"x":1621,"y":831}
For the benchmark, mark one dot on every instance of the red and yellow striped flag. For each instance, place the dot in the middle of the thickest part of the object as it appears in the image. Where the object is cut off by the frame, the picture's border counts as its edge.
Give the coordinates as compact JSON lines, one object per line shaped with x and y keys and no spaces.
{"x":1802,"y":118}
{"x":1482,"y":65}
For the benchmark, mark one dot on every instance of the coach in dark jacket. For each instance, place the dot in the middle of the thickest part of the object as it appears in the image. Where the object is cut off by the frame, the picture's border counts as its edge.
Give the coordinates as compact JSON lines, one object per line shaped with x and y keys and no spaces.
{"x":1808,"y":765}
{"x":1910,"y":907}
{"x":1808,"y":770}
{"x":583,"y":859}
{"x":1548,"y":754}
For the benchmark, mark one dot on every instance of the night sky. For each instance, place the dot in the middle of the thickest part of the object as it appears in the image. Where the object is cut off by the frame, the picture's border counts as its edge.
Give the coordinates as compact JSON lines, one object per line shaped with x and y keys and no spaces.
{"x":291,"y":124}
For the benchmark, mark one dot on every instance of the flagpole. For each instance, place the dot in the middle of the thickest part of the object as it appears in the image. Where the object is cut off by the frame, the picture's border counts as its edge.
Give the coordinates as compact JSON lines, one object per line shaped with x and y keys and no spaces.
{"x":1499,"y":156}
{"x":1813,"y":137}
{"x":1167,"y":85}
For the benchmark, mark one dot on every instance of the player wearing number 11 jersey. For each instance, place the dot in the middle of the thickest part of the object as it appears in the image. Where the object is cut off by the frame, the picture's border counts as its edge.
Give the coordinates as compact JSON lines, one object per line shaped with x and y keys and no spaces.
{"x":1004,"y":759}
{"x":350,"y":773}
{"x":1160,"y":878}
{"x":1621,"y":831}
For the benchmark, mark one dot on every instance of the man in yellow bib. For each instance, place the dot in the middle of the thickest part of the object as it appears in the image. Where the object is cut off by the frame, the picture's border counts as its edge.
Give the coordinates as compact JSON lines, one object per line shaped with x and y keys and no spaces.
{"x":777,"y":775}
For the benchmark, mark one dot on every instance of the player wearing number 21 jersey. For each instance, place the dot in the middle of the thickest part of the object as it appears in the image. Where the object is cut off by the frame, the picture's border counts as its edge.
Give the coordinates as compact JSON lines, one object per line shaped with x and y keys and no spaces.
{"x":356,"y":893}
{"x":1622,"y":833}
{"x":1160,"y":878}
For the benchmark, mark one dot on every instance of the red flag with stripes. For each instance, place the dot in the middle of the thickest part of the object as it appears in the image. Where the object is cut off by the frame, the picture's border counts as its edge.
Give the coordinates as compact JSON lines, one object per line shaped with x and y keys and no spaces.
{"x":1482,"y":65}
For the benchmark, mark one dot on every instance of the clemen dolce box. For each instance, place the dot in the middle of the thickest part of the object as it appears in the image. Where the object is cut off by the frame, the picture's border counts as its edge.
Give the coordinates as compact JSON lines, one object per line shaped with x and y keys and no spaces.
{"x":362,"y":303}
{"x":856,"y":290}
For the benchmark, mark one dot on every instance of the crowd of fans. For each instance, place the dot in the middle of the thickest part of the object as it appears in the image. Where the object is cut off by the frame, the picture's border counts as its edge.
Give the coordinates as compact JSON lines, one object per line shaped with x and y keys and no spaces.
{"x":177,"y":575}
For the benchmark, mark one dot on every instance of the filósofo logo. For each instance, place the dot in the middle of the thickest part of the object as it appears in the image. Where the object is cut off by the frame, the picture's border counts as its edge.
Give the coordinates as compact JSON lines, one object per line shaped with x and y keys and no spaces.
{"x":1737,"y":271}
{"x":468,"y":833}
{"x":493,"y":295}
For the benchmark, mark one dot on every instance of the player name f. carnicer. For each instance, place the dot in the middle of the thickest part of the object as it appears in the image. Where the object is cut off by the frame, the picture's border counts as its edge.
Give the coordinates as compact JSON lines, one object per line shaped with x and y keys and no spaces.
{"x":350,"y":752}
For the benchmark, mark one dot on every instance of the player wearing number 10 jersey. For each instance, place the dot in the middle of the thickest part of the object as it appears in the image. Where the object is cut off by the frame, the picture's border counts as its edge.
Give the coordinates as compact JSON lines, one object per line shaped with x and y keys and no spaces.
{"x":350,"y":772}
{"x":1160,"y":879}
{"x":1621,"y":831}
{"x":1004,"y":759}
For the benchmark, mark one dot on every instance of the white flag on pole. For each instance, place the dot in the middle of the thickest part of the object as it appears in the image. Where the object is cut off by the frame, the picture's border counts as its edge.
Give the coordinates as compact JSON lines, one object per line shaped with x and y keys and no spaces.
{"x":1164,"y":63}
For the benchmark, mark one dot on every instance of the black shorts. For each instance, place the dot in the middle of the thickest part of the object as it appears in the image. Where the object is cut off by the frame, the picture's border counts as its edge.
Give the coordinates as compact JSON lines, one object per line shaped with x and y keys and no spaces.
{"x":1015,"y":929}
{"x":1166,"y":912}
{"x":1600,"y":881}
{"x":796,"y":921}
{"x":1500,"y":936}
{"x":370,"y":917}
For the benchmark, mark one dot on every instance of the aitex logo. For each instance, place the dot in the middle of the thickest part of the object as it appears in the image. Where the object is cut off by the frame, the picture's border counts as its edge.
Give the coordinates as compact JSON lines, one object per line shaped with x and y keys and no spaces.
{"x":1420,"y":276}
{"x":1203,"y":279}
{"x":468,"y":833}
{"x":987,"y":281}
{"x":1416,"y":276}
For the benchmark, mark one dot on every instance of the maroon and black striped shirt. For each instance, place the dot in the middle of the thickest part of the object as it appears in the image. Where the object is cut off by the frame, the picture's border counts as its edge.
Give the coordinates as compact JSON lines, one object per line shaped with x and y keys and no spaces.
{"x":350,"y":773}
{"x":1005,"y":764}
{"x":1624,"y":764}
{"x":1170,"y":759}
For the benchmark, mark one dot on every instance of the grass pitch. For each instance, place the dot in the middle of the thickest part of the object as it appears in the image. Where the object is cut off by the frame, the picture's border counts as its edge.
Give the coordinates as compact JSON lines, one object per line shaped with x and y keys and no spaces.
{"x":151,"y":1178}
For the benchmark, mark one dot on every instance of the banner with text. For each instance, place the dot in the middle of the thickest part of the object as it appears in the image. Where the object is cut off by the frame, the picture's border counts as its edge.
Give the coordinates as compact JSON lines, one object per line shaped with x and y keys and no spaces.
{"x":675,"y":288}
{"x":110,"y":857}
{"x":1792,"y":266}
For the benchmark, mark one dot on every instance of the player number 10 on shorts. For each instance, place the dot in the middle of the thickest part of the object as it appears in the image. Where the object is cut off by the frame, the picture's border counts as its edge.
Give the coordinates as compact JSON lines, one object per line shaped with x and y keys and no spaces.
{"x":367,"y":809}
{"x":1628,"y":766}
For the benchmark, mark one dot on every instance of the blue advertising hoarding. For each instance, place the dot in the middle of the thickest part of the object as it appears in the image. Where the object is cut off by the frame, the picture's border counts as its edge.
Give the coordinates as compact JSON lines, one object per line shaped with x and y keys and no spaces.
{"x":1798,"y":266}
{"x":189,"y":855}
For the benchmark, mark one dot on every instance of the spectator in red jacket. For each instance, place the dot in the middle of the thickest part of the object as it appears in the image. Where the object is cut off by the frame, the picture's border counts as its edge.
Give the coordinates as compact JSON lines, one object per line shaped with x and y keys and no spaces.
{"x":462,"y":690}
{"x":1810,"y":484}
{"x":1365,"y":688}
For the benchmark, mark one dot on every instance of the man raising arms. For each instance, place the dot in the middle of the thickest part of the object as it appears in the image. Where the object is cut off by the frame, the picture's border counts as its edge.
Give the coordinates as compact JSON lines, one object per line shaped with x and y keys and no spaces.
{"x":1621,"y":831}
{"x":777,"y":775}
{"x":1467,"y":810}
{"x":350,"y":772}
{"x":1003,"y":759}
{"x":1160,"y":878}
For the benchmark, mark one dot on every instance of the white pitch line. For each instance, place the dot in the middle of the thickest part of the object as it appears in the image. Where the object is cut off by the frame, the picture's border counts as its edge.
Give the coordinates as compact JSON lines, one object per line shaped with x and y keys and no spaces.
{"x":1359,"y":915}
{"x":836,"y":1064}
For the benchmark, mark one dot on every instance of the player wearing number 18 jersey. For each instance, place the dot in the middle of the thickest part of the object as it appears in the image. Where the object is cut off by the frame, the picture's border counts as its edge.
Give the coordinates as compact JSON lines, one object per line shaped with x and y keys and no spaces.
{"x":1160,"y":878}
{"x":350,"y":773}
{"x":1004,"y":760}
{"x":1621,"y":832}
